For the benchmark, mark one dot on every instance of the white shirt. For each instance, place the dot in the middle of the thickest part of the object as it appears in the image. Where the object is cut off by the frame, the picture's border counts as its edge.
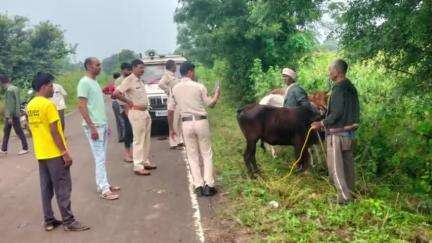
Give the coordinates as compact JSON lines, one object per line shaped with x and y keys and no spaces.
{"x":275,"y":100}
{"x":59,"y":96}
{"x":190,"y":97}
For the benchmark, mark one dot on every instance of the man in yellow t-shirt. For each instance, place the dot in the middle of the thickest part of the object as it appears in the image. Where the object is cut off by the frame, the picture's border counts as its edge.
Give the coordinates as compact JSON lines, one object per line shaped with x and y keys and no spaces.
{"x":51,"y":152}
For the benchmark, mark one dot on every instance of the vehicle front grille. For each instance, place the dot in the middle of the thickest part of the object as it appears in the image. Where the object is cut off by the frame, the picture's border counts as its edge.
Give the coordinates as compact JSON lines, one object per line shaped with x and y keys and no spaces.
{"x":158,"y":102}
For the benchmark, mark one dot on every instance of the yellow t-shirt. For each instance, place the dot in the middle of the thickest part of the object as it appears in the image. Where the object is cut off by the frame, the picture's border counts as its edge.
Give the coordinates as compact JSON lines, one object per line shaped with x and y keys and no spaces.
{"x":41,"y":113}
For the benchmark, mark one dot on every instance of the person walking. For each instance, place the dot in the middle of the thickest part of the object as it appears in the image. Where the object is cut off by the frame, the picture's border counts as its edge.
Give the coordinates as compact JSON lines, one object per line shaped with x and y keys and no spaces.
{"x":191,"y":99}
{"x":12,"y":116}
{"x":58,"y":98}
{"x":340,"y":124}
{"x":132,"y":91}
{"x":92,"y":108}
{"x":53,"y":156}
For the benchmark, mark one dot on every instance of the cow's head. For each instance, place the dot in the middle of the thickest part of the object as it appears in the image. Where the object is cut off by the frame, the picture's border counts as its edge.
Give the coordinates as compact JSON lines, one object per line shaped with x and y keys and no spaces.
{"x":319,"y":100}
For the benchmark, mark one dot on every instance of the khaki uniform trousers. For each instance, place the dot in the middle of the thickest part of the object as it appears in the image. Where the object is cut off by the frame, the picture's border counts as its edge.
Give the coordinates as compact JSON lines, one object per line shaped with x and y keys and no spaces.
{"x":141,"y":128}
{"x":198,"y":146}
{"x":177,"y":126}
{"x":341,"y":165}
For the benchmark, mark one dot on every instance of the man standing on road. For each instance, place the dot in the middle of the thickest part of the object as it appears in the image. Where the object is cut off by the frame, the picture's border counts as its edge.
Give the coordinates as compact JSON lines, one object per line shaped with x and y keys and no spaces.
{"x":59,"y":100}
{"x":52,"y":153}
{"x":191,"y":98}
{"x":340,"y":123}
{"x":167,"y":83}
{"x":92,"y":108}
{"x":126,"y":70}
{"x":132,"y":91}
{"x":109,"y":90}
{"x":12,"y":116}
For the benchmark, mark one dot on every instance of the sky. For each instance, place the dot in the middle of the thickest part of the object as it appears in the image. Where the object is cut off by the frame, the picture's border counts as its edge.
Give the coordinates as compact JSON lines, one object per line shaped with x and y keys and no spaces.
{"x":104,"y":27}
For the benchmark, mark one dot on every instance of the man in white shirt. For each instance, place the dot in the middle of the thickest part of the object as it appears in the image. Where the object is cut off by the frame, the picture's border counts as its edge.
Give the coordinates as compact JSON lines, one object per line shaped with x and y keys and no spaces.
{"x":191,"y":99}
{"x":59,"y":100}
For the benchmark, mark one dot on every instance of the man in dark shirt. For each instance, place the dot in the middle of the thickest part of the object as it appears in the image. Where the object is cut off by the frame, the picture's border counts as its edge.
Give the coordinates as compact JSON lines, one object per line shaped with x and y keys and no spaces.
{"x":12,"y":116}
{"x":340,"y":123}
{"x":295,"y":95}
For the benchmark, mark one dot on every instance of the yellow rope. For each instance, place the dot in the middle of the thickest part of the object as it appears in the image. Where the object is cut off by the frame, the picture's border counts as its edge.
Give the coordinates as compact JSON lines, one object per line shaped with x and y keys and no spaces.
{"x":295,"y":162}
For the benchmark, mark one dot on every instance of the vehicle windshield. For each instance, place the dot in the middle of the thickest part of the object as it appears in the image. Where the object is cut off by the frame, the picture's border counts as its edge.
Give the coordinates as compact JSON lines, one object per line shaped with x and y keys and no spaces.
{"x":153,"y":73}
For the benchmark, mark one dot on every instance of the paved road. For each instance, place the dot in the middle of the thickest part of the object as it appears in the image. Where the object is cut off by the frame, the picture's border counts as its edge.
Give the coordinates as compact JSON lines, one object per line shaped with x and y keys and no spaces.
{"x":158,"y":208}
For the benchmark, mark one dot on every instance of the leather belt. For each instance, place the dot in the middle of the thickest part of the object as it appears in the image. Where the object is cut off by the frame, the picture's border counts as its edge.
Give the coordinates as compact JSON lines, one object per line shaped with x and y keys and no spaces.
{"x":193,"y":118}
{"x":348,"y":128}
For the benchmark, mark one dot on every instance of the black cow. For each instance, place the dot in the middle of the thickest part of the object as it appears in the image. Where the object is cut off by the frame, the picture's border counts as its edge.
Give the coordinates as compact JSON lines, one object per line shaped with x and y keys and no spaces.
{"x":276,"y":126}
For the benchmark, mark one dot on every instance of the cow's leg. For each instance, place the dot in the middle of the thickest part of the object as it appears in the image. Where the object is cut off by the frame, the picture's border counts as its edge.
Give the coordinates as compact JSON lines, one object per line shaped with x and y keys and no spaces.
{"x":249,"y":157}
{"x":273,"y":151}
{"x":303,"y":163}
{"x":311,"y":156}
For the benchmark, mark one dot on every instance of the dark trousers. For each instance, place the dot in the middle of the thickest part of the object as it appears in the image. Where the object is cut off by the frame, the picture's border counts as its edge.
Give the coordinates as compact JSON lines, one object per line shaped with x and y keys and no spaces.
{"x":119,"y":121}
{"x":55,"y":178}
{"x":62,"y":118}
{"x":18,"y":130}
{"x":340,"y":164}
{"x":128,"y":134}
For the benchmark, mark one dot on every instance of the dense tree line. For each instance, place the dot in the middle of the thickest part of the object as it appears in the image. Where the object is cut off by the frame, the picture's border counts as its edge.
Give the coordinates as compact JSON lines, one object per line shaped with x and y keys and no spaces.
{"x":239,"y":31}
{"x":397,"y":34}
{"x":25,"y":49}
{"x":112,"y":63}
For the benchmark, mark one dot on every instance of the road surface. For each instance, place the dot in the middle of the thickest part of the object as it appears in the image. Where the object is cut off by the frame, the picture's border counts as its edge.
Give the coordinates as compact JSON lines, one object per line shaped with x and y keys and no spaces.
{"x":158,"y":208}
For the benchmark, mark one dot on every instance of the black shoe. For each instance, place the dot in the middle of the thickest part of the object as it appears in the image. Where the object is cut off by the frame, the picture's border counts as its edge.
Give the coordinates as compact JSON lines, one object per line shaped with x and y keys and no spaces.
{"x":52,"y":225}
{"x":209,"y":191}
{"x":199,"y":191}
{"x":76,"y":226}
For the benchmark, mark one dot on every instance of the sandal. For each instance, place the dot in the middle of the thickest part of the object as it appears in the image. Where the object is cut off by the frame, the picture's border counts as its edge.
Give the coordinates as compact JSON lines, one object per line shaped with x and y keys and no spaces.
{"x":142,"y":172}
{"x":109,"y":195}
{"x":149,"y":166}
{"x":115,"y":188}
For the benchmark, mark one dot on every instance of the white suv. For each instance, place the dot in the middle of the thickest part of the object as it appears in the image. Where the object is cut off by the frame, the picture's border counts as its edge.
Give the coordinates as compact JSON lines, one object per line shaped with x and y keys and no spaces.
{"x":154,"y":70}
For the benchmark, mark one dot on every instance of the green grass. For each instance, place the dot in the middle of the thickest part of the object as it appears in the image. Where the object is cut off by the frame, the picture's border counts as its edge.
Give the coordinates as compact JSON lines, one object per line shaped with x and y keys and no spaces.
{"x":304,"y":213}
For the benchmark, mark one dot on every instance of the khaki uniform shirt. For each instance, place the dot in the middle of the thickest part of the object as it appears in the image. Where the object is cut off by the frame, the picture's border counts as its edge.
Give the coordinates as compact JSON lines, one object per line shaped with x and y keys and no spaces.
{"x":190,"y":98}
{"x":168,"y":81}
{"x":134,"y":89}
